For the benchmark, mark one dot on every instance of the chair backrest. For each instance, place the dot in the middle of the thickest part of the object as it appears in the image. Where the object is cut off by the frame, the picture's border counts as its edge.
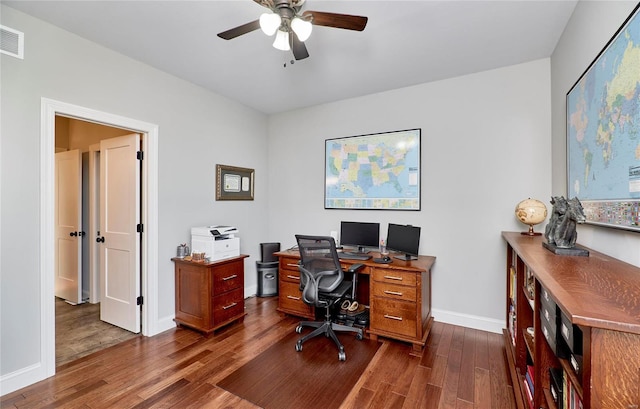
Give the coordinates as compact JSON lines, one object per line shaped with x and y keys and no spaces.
{"x":318,"y":254}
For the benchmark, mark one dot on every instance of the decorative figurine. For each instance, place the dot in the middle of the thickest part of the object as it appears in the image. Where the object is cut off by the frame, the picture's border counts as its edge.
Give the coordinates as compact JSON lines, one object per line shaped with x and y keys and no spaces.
{"x":561,"y":232}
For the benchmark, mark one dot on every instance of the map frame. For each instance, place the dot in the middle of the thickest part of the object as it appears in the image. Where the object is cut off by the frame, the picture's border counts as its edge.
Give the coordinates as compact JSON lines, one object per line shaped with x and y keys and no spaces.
{"x":412,"y":202}
{"x":613,"y":212}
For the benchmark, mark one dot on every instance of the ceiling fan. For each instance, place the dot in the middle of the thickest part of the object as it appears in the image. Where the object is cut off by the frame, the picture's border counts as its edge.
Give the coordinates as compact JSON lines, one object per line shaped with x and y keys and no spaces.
{"x":291,"y":26}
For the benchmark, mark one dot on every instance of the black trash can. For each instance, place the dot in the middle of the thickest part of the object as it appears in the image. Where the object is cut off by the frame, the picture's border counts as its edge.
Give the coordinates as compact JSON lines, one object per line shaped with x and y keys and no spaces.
{"x":267,"y":269}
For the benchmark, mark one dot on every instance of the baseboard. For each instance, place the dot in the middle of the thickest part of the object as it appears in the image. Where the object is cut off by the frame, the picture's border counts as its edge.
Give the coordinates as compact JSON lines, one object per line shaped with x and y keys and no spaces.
{"x":23,"y":377}
{"x":468,"y":321}
{"x":250,"y":291}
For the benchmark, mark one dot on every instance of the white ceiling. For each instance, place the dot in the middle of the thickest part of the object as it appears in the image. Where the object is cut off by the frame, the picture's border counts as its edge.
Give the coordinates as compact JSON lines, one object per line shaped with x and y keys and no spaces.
{"x":405,"y":43}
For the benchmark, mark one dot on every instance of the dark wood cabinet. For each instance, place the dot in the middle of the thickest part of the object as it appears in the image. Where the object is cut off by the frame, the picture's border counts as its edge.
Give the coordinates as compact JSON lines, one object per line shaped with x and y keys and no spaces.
{"x":573,"y":328}
{"x":209,"y":295}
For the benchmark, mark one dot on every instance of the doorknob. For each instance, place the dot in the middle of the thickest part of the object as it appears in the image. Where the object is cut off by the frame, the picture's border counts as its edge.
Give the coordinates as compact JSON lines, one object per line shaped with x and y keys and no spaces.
{"x":100,"y":240}
{"x":73,"y":233}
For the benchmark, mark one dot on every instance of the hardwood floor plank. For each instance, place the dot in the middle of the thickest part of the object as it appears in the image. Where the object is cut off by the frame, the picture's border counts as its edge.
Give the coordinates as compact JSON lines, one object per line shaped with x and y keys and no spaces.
{"x":482,"y":352}
{"x":467,"y":365}
{"x":415,"y":394}
{"x":180,"y":368}
{"x":449,"y":394}
{"x":481,"y":395}
{"x":502,"y":392}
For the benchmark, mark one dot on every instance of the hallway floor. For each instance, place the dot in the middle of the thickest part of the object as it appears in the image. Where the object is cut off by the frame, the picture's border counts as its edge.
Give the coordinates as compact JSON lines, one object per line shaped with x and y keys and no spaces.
{"x":79,"y":331}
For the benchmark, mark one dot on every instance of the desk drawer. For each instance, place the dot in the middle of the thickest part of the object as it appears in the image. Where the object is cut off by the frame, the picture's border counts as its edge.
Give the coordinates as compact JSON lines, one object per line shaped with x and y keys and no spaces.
{"x":289,"y":263}
{"x":290,"y":276}
{"x":398,"y":292}
{"x":393,"y":316}
{"x":227,"y":277}
{"x":228,"y":306}
{"x":290,"y":299}
{"x":397,"y":277}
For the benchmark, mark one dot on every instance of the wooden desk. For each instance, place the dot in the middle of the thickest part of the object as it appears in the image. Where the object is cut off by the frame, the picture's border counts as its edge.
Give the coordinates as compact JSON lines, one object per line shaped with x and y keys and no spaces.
{"x":398,"y":295}
{"x":209,"y":295}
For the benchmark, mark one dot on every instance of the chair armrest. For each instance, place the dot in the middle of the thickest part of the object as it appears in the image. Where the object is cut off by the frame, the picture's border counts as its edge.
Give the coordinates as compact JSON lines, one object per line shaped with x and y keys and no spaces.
{"x":355,"y":268}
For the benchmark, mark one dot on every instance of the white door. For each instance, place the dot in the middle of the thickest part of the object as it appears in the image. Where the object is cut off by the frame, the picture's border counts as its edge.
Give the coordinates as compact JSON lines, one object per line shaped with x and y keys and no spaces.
{"x":94,"y":223}
{"x":118,"y":237}
{"x":68,"y":222}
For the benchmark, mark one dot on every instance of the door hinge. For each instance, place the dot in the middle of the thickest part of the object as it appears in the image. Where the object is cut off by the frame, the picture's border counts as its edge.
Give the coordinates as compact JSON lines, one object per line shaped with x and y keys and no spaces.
{"x":139,"y":300}
{"x":139,"y":155}
{"x":139,"y":228}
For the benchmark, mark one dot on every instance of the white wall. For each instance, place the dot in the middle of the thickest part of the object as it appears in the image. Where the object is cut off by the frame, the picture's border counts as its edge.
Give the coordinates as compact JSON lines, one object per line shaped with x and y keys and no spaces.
{"x":485,"y":146}
{"x":592,"y":25}
{"x":197,"y":129}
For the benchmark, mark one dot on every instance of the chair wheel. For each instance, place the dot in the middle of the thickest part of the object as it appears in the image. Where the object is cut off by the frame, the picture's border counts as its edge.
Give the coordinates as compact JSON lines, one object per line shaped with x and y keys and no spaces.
{"x":298,"y":346}
{"x":299,"y":329}
{"x":342,"y":356}
{"x":359,"y":336}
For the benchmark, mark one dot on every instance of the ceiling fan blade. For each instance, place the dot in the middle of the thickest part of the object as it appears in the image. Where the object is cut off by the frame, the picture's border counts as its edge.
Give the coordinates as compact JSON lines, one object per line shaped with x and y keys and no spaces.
{"x":297,"y":47}
{"x":346,"y":21}
{"x":240,"y":30}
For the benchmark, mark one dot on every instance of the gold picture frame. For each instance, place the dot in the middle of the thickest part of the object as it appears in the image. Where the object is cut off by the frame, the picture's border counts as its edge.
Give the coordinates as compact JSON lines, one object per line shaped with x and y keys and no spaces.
{"x":234,"y":183}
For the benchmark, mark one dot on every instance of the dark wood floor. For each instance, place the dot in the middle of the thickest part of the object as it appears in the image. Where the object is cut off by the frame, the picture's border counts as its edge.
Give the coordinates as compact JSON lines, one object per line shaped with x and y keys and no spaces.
{"x":461,"y":368}
{"x":79,"y":331}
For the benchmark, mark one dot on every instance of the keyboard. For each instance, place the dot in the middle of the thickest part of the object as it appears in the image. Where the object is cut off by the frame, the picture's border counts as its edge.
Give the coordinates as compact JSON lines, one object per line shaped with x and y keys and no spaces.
{"x":352,"y":256}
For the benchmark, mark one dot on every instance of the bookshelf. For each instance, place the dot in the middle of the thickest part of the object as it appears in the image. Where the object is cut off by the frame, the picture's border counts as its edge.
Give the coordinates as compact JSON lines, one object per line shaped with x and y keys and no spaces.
{"x":572,"y":332}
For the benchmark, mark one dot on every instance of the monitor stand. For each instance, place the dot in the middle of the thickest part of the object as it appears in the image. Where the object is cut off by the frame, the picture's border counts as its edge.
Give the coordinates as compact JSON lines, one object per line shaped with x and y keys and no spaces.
{"x":361,"y":250}
{"x":406,"y":257}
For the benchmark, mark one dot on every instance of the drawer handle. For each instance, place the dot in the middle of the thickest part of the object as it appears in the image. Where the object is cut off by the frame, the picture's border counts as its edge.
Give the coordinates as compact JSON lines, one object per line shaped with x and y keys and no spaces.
{"x":393,"y":278}
{"x":293,"y":298}
{"x":230,"y":277}
{"x":293,"y":265}
{"x":293,"y":277}
{"x":230,"y":306}
{"x":393,"y":317}
{"x":393,"y":293}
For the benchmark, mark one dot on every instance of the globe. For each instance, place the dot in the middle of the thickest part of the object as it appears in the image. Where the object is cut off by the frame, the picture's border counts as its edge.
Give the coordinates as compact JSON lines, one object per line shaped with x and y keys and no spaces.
{"x":531,"y":212}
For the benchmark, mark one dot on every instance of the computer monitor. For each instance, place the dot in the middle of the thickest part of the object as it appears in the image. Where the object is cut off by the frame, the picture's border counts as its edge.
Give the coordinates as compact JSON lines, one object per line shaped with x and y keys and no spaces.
{"x":359,"y":235}
{"x":404,"y":239}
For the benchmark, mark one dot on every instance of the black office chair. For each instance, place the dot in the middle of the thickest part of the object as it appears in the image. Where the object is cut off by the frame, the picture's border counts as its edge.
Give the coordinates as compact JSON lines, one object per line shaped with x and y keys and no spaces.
{"x":323,"y":284}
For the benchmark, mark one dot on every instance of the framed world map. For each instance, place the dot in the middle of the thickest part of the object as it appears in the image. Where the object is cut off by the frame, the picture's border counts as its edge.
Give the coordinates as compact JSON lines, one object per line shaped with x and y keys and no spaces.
{"x":603,"y":132}
{"x":375,"y":171}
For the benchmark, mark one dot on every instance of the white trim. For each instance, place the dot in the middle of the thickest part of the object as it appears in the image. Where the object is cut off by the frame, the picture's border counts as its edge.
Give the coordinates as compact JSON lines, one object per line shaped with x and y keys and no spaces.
{"x":150,"y":325}
{"x":469,"y":321}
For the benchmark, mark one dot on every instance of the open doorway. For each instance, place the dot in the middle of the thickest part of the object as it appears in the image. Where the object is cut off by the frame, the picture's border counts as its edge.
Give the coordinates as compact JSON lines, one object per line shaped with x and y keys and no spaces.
{"x":149,"y":222}
{"x":81,"y":328}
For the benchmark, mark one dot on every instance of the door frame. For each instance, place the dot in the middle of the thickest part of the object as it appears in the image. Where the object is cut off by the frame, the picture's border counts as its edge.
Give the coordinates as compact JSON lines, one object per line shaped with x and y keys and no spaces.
{"x":149,"y":217}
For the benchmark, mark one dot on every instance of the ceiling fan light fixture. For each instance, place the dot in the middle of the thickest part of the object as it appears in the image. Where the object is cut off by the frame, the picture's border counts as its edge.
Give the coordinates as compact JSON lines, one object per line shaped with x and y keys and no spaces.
{"x":302,"y":28}
{"x":282,"y":41}
{"x":269,"y":23}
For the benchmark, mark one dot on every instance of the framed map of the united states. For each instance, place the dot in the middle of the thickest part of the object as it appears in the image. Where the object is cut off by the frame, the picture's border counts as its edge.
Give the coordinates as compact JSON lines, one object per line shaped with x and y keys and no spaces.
{"x":375,"y":171}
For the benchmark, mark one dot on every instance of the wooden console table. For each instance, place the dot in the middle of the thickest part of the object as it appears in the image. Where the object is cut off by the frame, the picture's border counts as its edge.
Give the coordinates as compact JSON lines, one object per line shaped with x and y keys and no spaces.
{"x":573,"y":324}
{"x":398,"y":295}
{"x":209,"y":295}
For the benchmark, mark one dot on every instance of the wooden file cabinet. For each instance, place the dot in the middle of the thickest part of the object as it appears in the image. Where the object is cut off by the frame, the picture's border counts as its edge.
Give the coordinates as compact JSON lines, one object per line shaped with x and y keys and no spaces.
{"x":209,"y":295}
{"x":399,"y":296}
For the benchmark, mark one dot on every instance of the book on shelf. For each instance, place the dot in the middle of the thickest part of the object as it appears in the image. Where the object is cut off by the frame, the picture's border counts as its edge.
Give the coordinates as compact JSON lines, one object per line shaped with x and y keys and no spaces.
{"x":529,"y":382}
{"x":571,"y":398}
{"x":529,"y":394}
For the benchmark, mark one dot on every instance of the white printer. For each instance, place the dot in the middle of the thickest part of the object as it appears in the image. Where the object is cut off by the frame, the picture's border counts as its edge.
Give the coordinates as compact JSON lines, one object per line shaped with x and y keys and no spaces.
{"x":217,"y":242}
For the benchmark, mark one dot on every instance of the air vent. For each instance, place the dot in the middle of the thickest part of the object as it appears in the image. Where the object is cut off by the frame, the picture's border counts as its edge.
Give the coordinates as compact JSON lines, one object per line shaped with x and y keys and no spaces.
{"x":11,"y":42}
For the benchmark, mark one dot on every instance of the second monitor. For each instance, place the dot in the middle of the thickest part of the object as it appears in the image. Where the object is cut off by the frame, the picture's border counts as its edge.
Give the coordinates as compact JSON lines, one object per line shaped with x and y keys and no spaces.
{"x":360,"y":235}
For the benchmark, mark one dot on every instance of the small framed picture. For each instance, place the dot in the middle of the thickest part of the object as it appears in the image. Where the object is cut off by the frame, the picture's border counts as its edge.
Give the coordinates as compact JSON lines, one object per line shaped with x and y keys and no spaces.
{"x":234,"y":183}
